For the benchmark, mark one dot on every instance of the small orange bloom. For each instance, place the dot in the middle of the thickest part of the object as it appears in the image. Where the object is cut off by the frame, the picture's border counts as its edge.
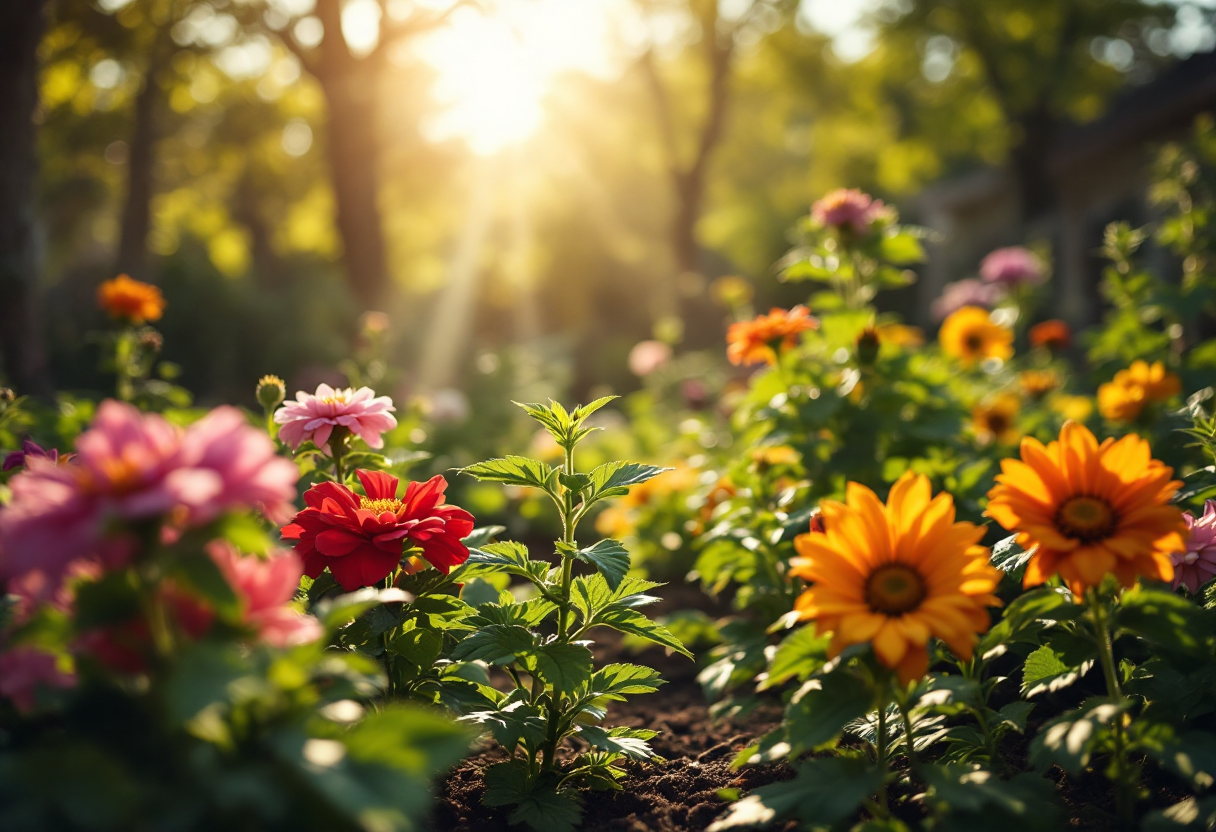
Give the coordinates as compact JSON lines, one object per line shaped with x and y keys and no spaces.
{"x":1054,"y":335}
{"x":1091,"y":509}
{"x":1125,"y":397}
{"x":994,"y":421}
{"x":970,"y":335}
{"x":756,"y":341}
{"x":125,"y":299}
{"x":1038,"y":383}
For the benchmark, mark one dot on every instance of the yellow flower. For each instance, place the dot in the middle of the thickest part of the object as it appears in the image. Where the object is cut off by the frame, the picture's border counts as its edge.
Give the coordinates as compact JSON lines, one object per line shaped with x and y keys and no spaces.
{"x":132,"y":300}
{"x":773,"y":455}
{"x":994,"y":420}
{"x":901,"y":335}
{"x":970,"y":336}
{"x":1077,"y":408}
{"x":1038,"y":383}
{"x":897,"y":574}
{"x":614,"y":522}
{"x":1091,"y":509}
{"x":1123,"y":398}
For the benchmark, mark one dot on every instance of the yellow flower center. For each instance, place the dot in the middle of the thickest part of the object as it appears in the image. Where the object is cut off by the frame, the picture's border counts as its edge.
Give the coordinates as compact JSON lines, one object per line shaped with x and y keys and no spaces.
{"x":339,"y":397}
{"x":894,"y":589}
{"x":1087,"y":519}
{"x":379,"y":506}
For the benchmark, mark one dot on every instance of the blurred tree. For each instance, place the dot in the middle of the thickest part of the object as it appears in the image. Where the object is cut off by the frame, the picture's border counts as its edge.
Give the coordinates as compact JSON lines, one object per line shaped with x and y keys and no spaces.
{"x":350,"y":76}
{"x":21,"y":27}
{"x":1044,"y":63}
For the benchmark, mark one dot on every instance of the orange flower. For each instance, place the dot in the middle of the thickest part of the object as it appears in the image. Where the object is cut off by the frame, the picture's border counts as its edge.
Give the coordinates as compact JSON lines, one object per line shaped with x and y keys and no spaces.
{"x":970,"y":335}
{"x":1123,"y":398}
{"x":994,"y":420}
{"x":125,"y":299}
{"x":1054,"y":335}
{"x":895,"y":575}
{"x":756,"y":341}
{"x":1091,"y":509}
{"x":1038,"y":383}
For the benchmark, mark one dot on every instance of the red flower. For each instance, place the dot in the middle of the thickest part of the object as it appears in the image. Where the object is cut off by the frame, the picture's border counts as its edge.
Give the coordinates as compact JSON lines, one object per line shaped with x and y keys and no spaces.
{"x":362,"y":539}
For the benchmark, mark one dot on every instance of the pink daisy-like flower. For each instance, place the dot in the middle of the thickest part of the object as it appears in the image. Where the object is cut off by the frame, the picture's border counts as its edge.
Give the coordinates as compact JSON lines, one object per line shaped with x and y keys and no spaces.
{"x":1013,"y":266}
{"x":133,"y":467}
{"x":315,"y":416}
{"x":1197,"y":565}
{"x":266,"y":588}
{"x":847,"y":208}
{"x":969,"y":292}
{"x":24,"y":670}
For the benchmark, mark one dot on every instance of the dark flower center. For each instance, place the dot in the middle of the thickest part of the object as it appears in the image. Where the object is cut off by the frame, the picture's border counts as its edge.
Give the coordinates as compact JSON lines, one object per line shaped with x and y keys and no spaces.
{"x":974,"y":342}
{"x":997,"y":423}
{"x":894,"y":589}
{"x":1088,"y":519}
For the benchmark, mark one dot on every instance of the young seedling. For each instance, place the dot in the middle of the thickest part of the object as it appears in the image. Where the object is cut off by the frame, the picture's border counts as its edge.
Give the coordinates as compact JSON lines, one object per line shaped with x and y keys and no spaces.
{"x":544,"y":643}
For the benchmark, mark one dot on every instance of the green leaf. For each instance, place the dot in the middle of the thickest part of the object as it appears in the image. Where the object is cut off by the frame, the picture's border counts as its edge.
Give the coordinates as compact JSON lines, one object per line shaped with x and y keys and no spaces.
{"x":1015,"y":714}
{"x":201,"y":574}
{"x":340,"y":610}
{"x":615,"y":681}
{"x":506,"y":783}
{"x":1165,"y":619}
{"x":632,"y":742}
{"x":800,"y":654}
{"x":635,"y":623}
{"x":975,"y":792}
{"x":610,"y":557}
{"x":1021,"y":618}
{"x":539,"y":805}
{"x":1191,"y":756}
{"x":481,"y":536}
{"x":515,"y":722}
{"x":824,"y":791}
{"x":1045,"y":671}
{"x":574,"y":482}
{"x":901,"y":249}
{"x":515,"y":470}
{"x":507,"y":556}
{"x":566,"y":667}
{"x":1188,"y":814}
{"x":1009,"y":557}
{"x":1070,"y":739}
{"x":592,"y":594}
{"x":613,"y":479}
{"x":819,"y":711}
{"x":418,"y":646}
{"x":245,"y":533}
{"x":495,"y":644}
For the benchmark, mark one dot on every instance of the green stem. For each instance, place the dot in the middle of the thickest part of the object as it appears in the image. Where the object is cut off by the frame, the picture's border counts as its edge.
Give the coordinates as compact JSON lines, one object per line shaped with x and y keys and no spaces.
{"x":1106,"y":657}
{"x":881,"y":748}
{"x":337,"y":443}
{"x":907,"y":720}
{"x":569,"y":521}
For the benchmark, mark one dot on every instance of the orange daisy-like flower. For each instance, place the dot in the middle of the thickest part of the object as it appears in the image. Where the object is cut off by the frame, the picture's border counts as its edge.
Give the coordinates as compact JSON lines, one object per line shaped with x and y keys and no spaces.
{"x":895,"y":575}
{"x":1131,"y":390}
{"x":994,"y":420}
{"x":126,"y":299}
{"x":756,"y":341}
{"x":970,"y":335}
{"x":1038,"y":383}
{"x":1054,"y":335}
{"x":1091,"y":509}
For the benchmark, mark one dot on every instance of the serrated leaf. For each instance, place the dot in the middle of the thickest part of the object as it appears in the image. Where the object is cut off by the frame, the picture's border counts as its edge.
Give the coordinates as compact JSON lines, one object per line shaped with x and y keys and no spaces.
{"x":495,"y":644}
{"x":819,"y":711}
{"x":635,"y":623}
{"x":566,"y":667}
{"x":632,"y":742}
{"x":515,"y":470}
{"x":610,"y":557}
{"x":613,"y":479}
{"x":515,"y":722}
{"x":615,"y":681}
{"x":547,"y":810}
{"x":1045,"y":671}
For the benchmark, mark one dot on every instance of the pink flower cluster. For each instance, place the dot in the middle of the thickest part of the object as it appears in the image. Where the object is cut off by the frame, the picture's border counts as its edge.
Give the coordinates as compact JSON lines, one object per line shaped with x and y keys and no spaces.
{"x":1013,"y":266}
{"x":1197,"y":565}
{"x":314,"y":417}
{"x":969,"y":292}
{"x":847,"y":208}
{"x":265,"y":588}
{"x":131,"y":468}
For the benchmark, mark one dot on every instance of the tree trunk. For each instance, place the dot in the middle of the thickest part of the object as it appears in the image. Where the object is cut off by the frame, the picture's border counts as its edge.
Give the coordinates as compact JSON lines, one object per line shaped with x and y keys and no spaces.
{"x":141,"y":159}
{"x":354,"y":161}
{"x":1028,"y":161}
{"x":21,"y":27}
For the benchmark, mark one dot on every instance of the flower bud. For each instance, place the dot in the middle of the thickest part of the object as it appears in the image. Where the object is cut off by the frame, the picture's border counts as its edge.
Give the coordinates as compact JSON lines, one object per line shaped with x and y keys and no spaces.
{"x":271,"y":392}
{"x":152,"y":340}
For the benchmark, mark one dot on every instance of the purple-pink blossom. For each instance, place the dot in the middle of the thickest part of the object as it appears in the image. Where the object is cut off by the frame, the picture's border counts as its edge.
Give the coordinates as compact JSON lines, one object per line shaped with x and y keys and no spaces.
{"x":969,"y":292}
{"x":847,"y":208}
{"x":29,"y":450}
{"x":25,"y":670}
{"x":1013,"y":266}
{"x":315,"y":416}
{"x":265,"y":589}
{"x":1197,"y":565}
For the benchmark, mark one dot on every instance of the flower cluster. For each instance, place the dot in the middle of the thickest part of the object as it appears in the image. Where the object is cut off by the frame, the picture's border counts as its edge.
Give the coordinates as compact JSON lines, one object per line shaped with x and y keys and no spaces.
{"x":132,"y":301}
{"x":757,"y":341}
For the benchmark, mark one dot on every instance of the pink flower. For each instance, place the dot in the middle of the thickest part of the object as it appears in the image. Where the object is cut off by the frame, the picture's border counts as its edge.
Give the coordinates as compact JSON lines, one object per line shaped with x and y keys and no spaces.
{"x":1197,"y":565}
{"x":1013,"y":266}
{"x":240,"y":468}
{"x":266,"y":588}
{"x":23,"y":670}
{"x":29,"y":450}
{"x":847,"y":208}
{"x":314,"y":417}
{"x":970,"y":292}
{"x":134,"y":467}
{"x":648,"y":356}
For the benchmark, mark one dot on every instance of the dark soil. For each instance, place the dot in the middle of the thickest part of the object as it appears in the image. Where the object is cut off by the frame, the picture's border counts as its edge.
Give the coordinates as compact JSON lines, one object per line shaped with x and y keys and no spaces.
{"x":672,"y":796}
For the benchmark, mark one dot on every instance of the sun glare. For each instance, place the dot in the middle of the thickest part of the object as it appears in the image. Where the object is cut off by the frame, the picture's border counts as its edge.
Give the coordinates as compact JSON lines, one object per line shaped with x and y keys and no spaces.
{"x":495,"y":69}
